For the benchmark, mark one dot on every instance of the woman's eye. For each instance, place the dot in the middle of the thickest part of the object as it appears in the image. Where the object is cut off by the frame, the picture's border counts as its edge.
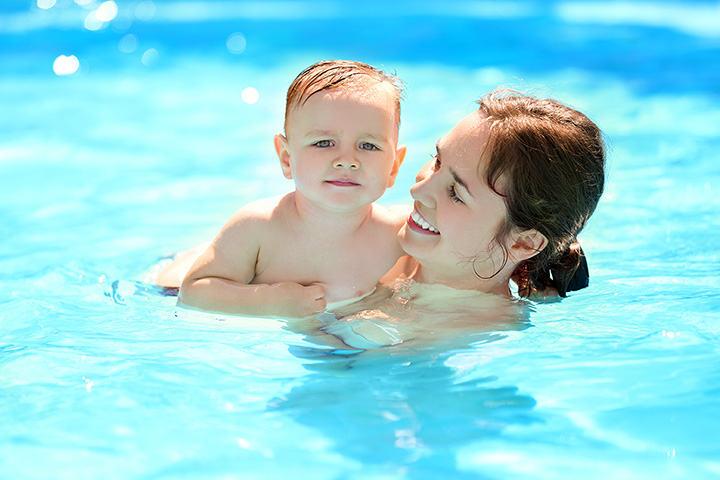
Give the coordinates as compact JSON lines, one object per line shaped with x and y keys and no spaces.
{"x":452,"y":193}
{"x":368,"y":146}
{"x":324,"y":143}
{"x":437,"y":164}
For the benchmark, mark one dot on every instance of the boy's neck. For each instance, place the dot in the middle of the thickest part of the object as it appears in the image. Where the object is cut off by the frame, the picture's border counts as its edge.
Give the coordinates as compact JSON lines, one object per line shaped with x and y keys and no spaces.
{"x":314,"y":216}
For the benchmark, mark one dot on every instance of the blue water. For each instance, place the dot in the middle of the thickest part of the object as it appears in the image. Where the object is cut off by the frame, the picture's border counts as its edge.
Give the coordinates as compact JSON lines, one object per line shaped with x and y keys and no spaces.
{"x":149,"y":147}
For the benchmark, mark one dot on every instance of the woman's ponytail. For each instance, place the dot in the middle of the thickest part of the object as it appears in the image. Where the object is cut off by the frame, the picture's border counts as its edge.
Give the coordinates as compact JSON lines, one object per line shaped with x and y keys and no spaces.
{"x":570,"y":271}
{"x":566,"y":273}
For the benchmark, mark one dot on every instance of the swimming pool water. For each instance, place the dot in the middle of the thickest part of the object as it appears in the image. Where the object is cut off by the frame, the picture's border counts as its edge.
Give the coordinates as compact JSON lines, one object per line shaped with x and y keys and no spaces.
{"x":150,"y":146}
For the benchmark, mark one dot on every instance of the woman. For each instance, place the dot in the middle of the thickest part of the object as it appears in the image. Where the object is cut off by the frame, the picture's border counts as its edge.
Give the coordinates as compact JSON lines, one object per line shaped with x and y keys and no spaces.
{"x":505,"y":197}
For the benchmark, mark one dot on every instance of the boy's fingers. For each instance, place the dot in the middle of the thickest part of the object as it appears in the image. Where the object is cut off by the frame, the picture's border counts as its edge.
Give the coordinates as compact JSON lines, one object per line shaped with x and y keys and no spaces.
{"x":317,"y":289}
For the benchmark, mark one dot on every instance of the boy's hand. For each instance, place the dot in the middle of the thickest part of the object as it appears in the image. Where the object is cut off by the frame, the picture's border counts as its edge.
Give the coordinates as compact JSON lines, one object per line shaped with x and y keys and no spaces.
{"x":298,"y":301}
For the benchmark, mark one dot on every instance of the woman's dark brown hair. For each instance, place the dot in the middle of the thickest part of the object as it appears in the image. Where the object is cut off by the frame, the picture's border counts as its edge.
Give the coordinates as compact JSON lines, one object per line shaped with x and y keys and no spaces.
{"x":551,"y":159}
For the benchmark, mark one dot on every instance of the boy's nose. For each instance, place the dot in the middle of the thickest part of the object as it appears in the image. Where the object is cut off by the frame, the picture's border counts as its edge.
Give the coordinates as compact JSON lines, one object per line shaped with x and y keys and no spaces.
{"x":350,"y":163}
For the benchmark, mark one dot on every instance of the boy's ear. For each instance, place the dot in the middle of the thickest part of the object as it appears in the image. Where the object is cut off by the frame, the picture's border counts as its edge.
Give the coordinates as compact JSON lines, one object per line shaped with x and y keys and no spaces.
{"x":399,"y":157}
{"x":283,"y":153}
{"x":527,"y":244}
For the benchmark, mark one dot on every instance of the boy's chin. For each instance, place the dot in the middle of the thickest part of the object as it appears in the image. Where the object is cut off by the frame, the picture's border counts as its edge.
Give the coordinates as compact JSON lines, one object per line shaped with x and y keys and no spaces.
{"x":344,"y":203}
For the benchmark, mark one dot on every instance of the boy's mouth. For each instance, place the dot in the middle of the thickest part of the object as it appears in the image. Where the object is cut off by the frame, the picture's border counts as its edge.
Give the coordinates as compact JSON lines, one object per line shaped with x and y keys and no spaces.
{"x":417,"y":223}
{"x":343,"y":182}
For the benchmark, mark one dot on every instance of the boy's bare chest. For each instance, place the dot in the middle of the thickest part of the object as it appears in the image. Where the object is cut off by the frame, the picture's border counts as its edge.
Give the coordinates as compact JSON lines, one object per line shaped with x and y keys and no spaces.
{"x":348,"y":268}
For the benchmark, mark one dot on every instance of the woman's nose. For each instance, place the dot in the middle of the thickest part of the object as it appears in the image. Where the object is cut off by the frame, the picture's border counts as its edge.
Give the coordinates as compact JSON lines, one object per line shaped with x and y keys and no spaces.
{"x":424,"y":172}
{"x":423,"y":191}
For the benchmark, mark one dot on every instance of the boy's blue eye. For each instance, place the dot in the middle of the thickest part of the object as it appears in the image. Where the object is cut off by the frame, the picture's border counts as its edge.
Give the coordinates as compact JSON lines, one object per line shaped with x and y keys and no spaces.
{"x":324,"y":143}
{"x":368,"y":146}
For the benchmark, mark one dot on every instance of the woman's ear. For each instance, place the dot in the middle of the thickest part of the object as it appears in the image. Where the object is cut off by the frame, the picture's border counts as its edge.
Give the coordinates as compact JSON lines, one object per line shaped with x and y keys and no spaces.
{"x":399,"y":157}
{"x":283,"y":152}
{"x":527,"y":244}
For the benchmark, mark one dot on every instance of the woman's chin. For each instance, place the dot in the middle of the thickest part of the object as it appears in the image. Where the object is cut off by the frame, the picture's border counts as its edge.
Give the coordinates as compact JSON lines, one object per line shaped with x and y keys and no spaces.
{"x":416,"y":244}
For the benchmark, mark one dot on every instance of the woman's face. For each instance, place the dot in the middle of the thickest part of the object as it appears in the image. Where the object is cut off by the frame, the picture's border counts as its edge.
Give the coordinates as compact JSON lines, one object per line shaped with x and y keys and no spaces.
{"x":457,"y":215}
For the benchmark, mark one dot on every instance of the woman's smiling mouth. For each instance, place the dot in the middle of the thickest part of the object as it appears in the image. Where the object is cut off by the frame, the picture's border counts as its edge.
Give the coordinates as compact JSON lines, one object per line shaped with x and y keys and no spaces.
{"x":417,"y":223}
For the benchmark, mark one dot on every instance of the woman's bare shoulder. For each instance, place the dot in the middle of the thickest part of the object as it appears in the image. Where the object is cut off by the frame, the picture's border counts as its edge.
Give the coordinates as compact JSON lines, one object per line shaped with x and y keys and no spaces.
{"x":403,"y":268}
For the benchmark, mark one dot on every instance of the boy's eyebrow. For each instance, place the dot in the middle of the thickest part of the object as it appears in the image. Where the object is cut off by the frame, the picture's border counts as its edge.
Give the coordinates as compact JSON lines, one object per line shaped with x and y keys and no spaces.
{"x":453,"y":173}
{"x":380,"y":138}
{"x":322,"y":133}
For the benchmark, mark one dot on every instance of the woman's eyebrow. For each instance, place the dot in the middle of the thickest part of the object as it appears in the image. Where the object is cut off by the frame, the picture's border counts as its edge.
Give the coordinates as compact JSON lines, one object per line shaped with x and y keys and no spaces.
{"x":453,"y":173}
{"x":460,"y":181}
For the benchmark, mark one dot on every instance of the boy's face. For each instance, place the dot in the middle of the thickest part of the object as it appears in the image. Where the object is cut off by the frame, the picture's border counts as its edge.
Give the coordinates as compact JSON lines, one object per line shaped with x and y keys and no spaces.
{"x":341,"y":147}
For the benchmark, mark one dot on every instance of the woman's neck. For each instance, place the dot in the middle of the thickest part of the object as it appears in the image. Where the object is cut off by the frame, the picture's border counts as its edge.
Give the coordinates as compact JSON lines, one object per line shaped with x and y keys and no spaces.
{"x":497,"y":285}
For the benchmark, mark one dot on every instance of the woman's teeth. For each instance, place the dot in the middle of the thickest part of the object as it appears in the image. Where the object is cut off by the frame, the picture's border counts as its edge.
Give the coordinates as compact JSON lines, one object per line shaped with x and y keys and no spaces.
{"x":423,"y":223}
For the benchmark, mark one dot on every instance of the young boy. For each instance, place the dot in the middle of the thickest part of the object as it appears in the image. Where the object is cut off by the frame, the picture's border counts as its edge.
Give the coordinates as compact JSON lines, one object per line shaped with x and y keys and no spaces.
{"x":326,"y":241}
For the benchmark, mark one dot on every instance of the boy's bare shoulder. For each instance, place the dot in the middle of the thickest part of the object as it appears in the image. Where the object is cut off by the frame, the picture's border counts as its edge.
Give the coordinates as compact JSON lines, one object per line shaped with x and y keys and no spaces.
{"x":261,"y":211}
{"x":394,"y":215}
{"x":253,"y":222}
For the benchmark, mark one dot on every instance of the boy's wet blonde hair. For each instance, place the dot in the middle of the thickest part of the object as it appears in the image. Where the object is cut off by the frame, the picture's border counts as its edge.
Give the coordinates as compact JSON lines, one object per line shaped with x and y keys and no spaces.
{"x":335,"y":74}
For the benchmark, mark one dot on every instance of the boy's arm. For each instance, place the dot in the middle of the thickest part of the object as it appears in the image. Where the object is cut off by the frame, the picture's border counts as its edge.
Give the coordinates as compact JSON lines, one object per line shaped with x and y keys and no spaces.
{"x":219,"y":279}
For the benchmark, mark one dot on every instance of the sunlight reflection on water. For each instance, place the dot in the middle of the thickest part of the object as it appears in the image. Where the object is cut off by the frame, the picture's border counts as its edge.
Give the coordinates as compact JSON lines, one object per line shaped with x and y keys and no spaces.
{"x":140,"y":138}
